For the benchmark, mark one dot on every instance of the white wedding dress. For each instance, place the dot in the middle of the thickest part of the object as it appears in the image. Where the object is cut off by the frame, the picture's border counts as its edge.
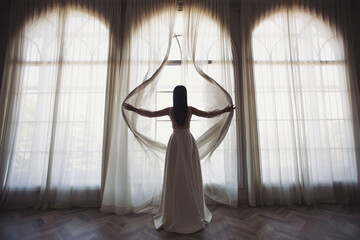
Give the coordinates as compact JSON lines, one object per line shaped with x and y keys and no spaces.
{"x":182,"y":208}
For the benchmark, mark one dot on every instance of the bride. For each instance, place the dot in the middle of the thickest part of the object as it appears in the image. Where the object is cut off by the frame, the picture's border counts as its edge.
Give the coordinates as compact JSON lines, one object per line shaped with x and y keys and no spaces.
{"x":182,"y":207}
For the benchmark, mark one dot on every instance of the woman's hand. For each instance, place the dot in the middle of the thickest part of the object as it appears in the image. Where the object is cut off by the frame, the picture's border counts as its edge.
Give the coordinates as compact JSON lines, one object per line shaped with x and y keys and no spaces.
{"x":229,"y":108}
{"x":128,"y":107}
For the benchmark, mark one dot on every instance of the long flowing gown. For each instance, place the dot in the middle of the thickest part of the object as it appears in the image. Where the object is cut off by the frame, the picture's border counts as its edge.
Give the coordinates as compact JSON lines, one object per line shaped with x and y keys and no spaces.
{"x":182,"y":208}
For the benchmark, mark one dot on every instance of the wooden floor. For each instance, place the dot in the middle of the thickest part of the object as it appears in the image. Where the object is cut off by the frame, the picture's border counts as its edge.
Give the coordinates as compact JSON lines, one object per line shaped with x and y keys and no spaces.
{"x":243,"y":222}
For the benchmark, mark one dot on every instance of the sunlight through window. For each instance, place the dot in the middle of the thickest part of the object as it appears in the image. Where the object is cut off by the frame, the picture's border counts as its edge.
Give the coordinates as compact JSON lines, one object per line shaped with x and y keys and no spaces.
{"x":302,"y":101}
{"x":62,"y":99}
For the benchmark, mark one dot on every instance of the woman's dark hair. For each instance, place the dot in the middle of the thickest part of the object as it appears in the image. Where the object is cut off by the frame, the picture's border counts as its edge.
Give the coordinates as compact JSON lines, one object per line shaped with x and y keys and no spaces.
{"x":180,"y":104}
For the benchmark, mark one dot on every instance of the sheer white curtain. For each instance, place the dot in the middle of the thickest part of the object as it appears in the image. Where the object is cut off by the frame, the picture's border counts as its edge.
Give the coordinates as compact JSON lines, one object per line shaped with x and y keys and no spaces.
{"x":135,"y":159}
{"x":153,"y":68}
{"x":208,"y":48}
{"x":300,"y":81}
{"x":52,"y":104}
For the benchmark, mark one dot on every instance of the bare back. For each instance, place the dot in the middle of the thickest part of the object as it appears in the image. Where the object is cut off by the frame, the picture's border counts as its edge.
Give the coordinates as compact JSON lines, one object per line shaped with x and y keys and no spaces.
{"x":187,"y":121}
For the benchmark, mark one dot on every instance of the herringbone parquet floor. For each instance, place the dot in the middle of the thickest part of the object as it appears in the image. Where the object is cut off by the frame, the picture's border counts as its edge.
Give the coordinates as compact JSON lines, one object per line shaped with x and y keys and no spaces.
{"x":243,"y":222}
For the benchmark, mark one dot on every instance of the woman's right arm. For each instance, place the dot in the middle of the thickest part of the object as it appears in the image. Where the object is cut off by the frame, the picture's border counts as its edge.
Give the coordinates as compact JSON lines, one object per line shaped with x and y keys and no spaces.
{"x":146,"y":113}
{"x":212,"y":114}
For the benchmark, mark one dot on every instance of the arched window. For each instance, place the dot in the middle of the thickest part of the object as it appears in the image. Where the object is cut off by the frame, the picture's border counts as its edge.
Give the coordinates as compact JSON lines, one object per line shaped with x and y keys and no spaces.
{"x":180,"y":71}
{"x":302,"y":100}
{"x":213,"y":56}
{"x":59,"y":124}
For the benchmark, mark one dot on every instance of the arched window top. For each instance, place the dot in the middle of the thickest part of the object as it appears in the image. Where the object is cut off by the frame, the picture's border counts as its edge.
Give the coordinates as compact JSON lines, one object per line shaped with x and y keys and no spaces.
{"x":83,"y":37}
{"x":208,"y":28}
{"x":295,"y":35}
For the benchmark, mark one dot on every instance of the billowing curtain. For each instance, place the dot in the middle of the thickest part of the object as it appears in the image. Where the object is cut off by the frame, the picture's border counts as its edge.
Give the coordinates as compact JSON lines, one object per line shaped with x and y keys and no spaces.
{"x":300,"y":102}
{"x":53,"y":102}
{"x":208,"y":49}
{"x":164,"y":48}
{"x":135,"y":160}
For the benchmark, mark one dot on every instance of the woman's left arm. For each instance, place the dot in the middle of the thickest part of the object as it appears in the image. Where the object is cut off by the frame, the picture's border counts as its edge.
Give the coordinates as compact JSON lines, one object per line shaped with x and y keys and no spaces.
{"x":147,"y":113}
{"x":212,"y":114}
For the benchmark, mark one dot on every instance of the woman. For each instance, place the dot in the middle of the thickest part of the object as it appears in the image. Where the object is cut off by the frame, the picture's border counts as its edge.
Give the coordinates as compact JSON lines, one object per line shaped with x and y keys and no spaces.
{"x":182,"y":207}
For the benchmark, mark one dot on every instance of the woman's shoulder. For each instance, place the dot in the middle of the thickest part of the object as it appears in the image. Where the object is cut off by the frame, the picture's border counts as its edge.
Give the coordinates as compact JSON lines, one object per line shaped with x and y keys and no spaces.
{"x":190,"y":109}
